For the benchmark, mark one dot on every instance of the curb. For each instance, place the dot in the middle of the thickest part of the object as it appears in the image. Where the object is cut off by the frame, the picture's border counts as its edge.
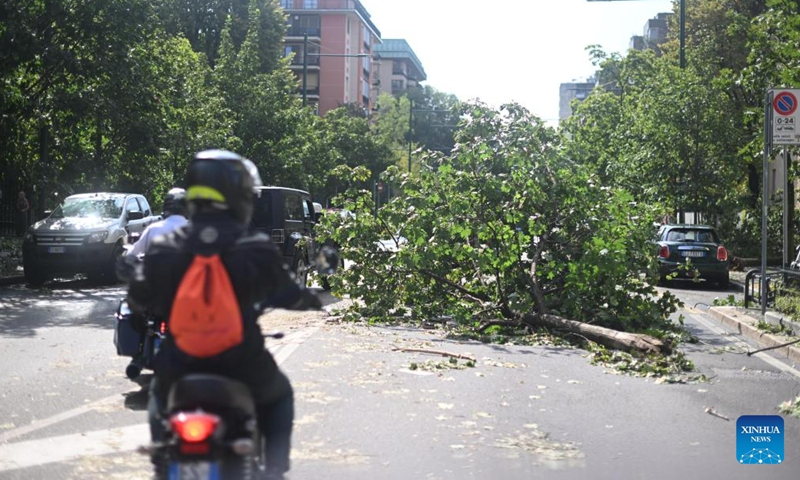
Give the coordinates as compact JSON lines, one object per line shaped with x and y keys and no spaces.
{"x":744,"y":324}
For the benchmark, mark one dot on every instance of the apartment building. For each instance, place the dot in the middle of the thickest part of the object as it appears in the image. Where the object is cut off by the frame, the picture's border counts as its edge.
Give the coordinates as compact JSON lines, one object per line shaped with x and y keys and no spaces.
{"x":570,"y":91}
{"x":653,"y":35}
{"x":398,"y":68}
{"x":331,"y":43}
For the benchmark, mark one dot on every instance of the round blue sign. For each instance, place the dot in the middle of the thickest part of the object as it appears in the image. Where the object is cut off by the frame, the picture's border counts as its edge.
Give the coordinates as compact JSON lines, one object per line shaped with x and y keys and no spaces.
{"x":785,"y":103}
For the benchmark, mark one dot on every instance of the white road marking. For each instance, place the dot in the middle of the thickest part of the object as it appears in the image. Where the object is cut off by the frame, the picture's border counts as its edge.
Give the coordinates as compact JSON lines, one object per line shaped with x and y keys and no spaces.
{"x":290,"y":343}
{"x":739,"y":343}
{"x":46,"y":422}
{"x":68,"y":447}
{"x":63,"y":448}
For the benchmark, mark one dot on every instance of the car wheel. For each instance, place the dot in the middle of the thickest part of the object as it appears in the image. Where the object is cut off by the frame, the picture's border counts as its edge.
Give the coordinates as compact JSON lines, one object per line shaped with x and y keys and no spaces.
{"x":301,"y":271}
{"x":34,"y":276}
{"x":107,"y":274}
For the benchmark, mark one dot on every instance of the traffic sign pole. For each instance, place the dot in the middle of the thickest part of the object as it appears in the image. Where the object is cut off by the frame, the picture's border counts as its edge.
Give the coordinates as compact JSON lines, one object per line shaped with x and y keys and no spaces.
{"x":768,"y":138}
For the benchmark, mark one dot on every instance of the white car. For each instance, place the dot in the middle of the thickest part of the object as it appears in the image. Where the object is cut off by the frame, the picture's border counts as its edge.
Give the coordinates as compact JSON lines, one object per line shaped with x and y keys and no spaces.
{"x":392,"y":244}
{"x":84,"y":234}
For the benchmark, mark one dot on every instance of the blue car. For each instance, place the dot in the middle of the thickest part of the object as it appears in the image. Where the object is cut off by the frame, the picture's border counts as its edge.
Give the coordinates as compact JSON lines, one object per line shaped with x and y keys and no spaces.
{"x":691,"y":251}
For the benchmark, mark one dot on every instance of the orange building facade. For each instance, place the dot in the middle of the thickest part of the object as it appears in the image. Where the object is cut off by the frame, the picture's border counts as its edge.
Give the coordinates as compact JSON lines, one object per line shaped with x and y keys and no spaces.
{"x":331,"y":44}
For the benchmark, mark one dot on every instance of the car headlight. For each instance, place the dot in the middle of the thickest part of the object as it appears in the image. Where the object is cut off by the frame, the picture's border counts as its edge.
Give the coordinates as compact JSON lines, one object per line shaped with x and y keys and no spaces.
{"x":96,"y":237}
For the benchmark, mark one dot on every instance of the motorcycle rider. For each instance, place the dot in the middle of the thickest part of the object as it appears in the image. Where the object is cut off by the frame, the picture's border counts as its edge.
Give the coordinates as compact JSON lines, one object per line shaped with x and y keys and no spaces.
{"x":220,"y":190}
{"x":173,"y":209}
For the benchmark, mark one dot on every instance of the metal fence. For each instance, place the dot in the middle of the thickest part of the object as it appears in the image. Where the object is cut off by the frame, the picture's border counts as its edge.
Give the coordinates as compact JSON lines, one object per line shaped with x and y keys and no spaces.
{"x":10,"y":217}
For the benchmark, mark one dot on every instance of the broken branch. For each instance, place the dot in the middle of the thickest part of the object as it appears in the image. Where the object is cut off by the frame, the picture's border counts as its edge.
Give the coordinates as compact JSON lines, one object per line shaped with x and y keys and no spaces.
{"x":773,"y":347}
{"x":434,"y":352}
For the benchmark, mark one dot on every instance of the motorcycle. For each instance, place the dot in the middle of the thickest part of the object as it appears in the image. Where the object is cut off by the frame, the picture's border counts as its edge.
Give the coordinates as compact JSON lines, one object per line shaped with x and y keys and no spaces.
{"x":211,"y":422}
{"x":211,"y":431}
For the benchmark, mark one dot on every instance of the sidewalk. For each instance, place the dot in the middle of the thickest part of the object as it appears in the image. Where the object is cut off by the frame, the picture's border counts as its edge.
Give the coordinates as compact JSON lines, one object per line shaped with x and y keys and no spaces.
{"x":745,"y":322}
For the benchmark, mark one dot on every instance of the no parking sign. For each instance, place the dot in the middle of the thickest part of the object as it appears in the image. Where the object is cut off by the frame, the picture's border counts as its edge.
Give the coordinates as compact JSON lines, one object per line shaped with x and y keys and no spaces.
{"x":785,"y":117}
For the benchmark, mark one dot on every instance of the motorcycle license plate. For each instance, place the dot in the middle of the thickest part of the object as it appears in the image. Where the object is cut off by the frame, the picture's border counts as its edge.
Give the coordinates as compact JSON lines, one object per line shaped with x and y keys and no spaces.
{"x":194,"y":471}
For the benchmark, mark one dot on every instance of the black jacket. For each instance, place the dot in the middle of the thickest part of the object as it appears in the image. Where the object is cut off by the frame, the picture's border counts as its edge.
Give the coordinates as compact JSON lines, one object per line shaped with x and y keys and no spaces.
{"x":257,"y":273}
{"x":254,"y":265}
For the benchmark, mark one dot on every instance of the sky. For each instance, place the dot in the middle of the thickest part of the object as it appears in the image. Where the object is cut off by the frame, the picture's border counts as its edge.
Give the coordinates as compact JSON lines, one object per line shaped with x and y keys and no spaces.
{"x":511,"y":50}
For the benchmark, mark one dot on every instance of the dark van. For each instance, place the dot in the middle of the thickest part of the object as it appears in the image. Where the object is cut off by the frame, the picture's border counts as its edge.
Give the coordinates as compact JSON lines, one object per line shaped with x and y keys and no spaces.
{"x":287,"y":215}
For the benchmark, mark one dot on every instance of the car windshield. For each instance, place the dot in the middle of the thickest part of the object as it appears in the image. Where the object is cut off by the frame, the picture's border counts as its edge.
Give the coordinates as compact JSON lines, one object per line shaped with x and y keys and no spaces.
{"x":692,"y":235}
{"x":107,"y":207}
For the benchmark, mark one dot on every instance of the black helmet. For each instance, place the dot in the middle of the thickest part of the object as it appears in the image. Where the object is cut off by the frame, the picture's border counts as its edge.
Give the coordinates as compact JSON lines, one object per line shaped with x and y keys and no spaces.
{"x":222,"y":180}
{"x":174,"y":203}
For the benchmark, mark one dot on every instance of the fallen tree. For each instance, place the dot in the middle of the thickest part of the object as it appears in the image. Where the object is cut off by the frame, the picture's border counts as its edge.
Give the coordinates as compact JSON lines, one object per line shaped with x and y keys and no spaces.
{"x":505,"y":227}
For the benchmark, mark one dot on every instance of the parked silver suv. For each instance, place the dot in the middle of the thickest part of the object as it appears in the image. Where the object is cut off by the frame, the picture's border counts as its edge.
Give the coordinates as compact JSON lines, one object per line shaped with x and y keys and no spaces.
{"x":84,"y":234}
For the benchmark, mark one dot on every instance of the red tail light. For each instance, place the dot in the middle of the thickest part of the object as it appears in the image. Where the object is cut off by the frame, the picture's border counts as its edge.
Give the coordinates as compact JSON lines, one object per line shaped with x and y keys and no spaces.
{"x":163,"y":328}
{"x":194,"y":427}
{"x":722,"y":254}
{"x":663,"y":252}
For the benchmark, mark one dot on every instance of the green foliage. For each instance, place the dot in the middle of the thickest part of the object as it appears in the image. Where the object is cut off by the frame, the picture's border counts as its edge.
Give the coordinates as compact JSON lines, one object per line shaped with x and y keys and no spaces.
{"x":504,"y":224}
{"x":729,"y":301}
{"x":119,"y":95}
{"x":772,"y":328}
{"x":439,"y":365}
{"x":673,"y":368}
{"x":787,"y":302}
{"x":660,"y":132}
{"x":791,"y":407}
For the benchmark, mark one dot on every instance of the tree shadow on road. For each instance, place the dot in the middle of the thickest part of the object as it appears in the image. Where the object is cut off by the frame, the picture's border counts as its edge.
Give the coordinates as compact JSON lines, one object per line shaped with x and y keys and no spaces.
{"x":75,"y":303}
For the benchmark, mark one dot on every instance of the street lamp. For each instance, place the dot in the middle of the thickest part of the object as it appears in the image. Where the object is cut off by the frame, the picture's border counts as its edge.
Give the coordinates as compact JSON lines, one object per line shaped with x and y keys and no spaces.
{"x":305,"y":62}
{"x":682,"y":35}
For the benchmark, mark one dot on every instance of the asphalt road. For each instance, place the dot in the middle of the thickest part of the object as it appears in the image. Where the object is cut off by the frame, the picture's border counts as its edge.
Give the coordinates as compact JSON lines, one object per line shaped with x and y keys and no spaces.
{"x":368,"y":406}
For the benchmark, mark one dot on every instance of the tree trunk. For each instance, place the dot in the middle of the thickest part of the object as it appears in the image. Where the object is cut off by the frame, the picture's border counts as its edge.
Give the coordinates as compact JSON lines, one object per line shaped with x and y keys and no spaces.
{"x":604,"y":336}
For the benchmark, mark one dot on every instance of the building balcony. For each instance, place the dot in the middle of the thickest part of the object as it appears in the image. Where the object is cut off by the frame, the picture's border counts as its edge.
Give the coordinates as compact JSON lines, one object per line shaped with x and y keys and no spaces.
{"x":300,"y":32}
{"x":300,"y":6}
{"x":311,"y":93}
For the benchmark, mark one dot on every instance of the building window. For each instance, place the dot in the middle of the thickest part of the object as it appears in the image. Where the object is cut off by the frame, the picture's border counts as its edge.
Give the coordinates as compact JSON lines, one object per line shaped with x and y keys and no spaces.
{"x":304,"y":24}
{"x":366,"y":34}
{"x":312,"y":81}
{"x":310,"y":4}
{"x":287,"y":4}
{"x":365,"y":88}
{"x":297,"y":50}
{"x":398,"y":86}
{"x":348,"y":25}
